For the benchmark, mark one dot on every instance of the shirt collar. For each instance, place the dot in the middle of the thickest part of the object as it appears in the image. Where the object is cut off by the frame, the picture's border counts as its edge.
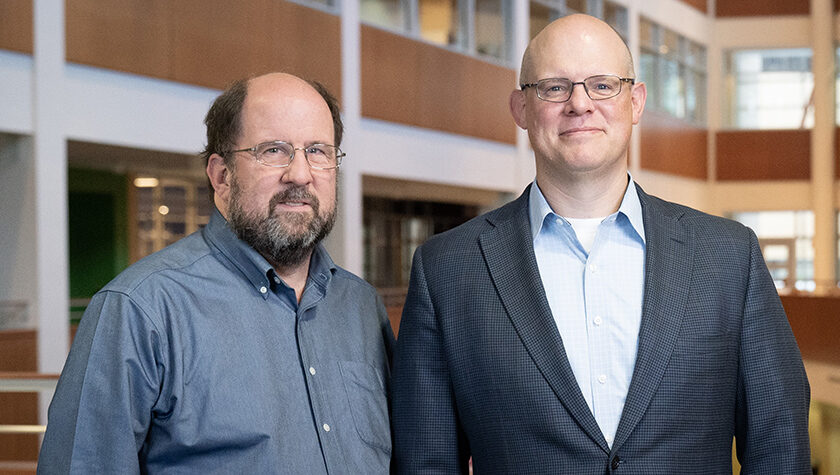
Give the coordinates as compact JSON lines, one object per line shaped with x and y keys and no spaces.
{"x":631,"y":207}
{"x":252,"y":264}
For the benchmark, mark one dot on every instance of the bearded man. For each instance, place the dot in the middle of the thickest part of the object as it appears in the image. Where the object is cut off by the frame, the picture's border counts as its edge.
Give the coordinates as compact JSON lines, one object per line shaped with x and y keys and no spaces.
{"x":241,"y":348}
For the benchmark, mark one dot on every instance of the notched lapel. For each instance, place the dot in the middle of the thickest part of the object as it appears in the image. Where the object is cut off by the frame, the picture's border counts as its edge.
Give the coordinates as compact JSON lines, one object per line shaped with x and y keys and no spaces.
{"x":512,"y":265}
{"x":668,"y":267}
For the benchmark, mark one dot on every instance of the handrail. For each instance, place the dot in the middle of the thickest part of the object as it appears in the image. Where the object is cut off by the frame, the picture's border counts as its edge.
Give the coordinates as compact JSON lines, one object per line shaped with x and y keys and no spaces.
{"x":24,"y":381}
{"x":21,"y":381}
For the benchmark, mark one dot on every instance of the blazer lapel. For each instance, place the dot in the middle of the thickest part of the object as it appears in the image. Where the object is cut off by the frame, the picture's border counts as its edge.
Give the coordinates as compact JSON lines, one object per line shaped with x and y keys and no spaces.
{"x":509,"y":253}
{"x":668,"y":266}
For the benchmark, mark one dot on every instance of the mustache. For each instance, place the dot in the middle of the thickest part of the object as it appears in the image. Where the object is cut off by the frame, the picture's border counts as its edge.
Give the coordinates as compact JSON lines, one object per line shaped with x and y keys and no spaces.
{"x":294,"y":193}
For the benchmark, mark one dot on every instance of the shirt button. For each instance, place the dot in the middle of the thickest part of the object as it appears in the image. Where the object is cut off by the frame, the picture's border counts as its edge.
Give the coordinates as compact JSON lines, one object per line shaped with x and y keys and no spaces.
{"x":602,"y":379}
{"x":312,"y":371}
{"x":598,"y":321}
{"x":276,"y":279}
{"x":593,"y":268}
{"x":326,"y":427}
{"x":559,"y":221}
{"x":263,"y":290}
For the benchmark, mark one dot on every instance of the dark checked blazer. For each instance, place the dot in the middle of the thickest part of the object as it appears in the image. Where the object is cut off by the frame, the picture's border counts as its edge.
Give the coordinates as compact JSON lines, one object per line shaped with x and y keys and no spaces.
{"x":481,"y":370}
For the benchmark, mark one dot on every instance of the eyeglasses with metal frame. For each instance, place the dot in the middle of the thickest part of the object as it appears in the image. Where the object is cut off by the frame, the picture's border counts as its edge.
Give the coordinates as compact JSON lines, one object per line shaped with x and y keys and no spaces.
{"x":279,"y":154}
{"x":597,"y":88}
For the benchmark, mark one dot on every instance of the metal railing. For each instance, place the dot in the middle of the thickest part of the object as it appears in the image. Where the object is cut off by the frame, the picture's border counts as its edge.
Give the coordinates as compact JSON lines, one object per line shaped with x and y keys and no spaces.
{"x":25,"y":382}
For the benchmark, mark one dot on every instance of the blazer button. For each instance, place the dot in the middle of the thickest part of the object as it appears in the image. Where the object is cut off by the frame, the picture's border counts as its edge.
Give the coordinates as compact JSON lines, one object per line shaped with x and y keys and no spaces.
{"x":615,"y":462}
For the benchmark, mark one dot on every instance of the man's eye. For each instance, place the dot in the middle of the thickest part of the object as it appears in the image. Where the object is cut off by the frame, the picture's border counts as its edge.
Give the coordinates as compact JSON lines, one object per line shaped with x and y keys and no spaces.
{"x":315,"y":151}
{"x":272,"y":150}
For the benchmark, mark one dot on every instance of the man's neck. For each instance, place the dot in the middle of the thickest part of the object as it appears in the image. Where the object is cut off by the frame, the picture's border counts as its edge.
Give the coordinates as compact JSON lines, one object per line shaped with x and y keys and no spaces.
{"x":295,"y":276}
{"x":584,"y":195}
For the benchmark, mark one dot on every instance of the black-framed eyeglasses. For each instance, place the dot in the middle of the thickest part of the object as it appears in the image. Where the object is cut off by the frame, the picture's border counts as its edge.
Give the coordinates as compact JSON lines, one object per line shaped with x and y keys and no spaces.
{"x":278,"y":154}
{"x":597,"y":88}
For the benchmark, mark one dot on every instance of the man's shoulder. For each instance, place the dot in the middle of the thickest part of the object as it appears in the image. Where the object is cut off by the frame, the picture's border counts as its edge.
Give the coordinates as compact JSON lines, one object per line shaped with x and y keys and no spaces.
{"x":699,"y":222}
{"x":350,"y":279}
{"x":173,"y":259}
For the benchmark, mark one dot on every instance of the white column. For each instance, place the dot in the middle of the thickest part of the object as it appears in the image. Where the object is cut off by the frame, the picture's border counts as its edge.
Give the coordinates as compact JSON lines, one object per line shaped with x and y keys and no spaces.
{"x":50,"y":159}
{"x":524,"y":167}
{"x":822,"y":145}
{"x":345,"y":243}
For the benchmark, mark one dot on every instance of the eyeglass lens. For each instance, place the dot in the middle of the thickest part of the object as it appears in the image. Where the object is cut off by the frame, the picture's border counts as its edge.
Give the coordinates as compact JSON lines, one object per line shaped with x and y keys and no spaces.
{"x":279,"y":154}
{"x":560,"y":89}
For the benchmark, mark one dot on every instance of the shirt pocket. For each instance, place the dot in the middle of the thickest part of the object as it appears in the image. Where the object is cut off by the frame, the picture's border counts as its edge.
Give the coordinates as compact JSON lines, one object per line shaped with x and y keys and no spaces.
{"x":365,"y":390}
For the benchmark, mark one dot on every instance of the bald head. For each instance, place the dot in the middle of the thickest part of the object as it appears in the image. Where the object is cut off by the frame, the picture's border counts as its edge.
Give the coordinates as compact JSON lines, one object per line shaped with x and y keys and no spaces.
{"x":224,"y":119}
{"x":568,"y":41}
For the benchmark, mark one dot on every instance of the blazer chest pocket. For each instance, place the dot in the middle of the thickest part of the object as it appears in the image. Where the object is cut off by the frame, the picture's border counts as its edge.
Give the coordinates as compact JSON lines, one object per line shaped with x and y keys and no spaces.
{"x":365,"y":390}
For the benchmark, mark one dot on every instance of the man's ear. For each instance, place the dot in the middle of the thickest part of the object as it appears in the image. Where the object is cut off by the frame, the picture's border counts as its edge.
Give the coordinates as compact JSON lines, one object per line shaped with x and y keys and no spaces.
{"x":517,"y":108}
{"x":638,"y":95}
{"x":219,"y":175}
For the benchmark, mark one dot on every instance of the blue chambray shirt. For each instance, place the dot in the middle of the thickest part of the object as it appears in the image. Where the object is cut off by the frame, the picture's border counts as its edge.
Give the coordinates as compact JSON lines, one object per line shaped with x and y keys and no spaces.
{"x":198,"y":359}
{"x":596,"y":298}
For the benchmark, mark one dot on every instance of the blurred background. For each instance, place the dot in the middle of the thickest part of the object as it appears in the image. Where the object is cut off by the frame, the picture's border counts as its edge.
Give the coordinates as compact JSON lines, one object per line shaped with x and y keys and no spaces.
{"x":102,"y":103}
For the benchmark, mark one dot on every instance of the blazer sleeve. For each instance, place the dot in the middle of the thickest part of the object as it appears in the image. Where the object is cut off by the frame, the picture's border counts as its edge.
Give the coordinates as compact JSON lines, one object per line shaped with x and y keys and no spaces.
{"x":427,"y":436}
{"x":773,"y":393}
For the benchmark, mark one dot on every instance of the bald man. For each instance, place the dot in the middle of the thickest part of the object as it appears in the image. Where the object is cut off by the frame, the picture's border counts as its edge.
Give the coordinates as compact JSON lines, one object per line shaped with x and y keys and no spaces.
{"x":587,"y":327}
{"x":242,"y":348}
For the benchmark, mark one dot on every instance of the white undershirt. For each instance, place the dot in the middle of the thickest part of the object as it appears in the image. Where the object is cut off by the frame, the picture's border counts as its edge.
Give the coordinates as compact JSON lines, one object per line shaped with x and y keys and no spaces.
{"x":585,"y":230}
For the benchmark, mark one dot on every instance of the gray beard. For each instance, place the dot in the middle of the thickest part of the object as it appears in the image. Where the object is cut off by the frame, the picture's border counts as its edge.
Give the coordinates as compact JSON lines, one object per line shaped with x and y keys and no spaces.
{"x":274,"y":236}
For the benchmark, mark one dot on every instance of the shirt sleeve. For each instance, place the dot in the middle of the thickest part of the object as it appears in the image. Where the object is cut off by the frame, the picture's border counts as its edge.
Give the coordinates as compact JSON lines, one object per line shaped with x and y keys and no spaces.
{"x":102,"y":407}
{"x":773,"y":394}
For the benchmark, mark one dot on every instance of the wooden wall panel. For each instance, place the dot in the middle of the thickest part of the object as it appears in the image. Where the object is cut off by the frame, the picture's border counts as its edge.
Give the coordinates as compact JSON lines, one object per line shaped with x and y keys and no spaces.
{"x":205,"y":42}
{"x":126,"y":35}
{"x":220,"y":41}
{"x":672,"y":146}
{"x":764,"y":154}
{"x":18,"y":353}
{"x":16,"y":25}
{"x":414,"y":83}
{"x":735,"y":8}
{"x":816,"y":324}
{"x":698,"y":4}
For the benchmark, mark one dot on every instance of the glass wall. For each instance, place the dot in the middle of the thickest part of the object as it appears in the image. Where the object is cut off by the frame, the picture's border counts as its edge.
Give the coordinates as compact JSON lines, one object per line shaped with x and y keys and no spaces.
{"x":479,"y":27}
{"x":394,"y":229}
{"x":769,"y":89}
{"x":544,"y":12}
{"x":390,"y":14}
{"x":786,"y":239}
{"x":674,"y":69}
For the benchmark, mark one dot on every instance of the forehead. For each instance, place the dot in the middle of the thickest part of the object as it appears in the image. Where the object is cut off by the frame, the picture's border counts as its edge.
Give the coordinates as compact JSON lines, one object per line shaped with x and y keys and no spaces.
{"x":578,"y":52}
{"x":285,"y":109}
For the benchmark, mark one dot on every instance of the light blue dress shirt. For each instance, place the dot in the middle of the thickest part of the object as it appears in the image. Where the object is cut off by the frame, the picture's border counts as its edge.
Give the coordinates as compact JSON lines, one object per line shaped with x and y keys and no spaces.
{"x":198,"y":359}
{"x":595,"y":297}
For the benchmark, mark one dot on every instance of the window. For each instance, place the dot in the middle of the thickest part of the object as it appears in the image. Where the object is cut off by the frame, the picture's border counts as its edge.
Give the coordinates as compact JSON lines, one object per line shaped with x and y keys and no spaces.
{"x":439,"y":22}
{"x":167,"y":210}
{"x":491,"y":28}
{"x":331,"y":6}
{"x":544,"y":12}
{"x":394,"y":229}
{"x":385,"y":13}
{"x":769,"y":89}
{"x":786,"y":241}
{"x":479,"y":27}
{"x":674,"y":68}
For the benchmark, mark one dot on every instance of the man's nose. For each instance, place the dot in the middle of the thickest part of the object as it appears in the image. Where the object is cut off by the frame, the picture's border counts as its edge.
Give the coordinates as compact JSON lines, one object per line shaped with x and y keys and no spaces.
{"x":579,"y":102}
{"x":298,"y":171}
